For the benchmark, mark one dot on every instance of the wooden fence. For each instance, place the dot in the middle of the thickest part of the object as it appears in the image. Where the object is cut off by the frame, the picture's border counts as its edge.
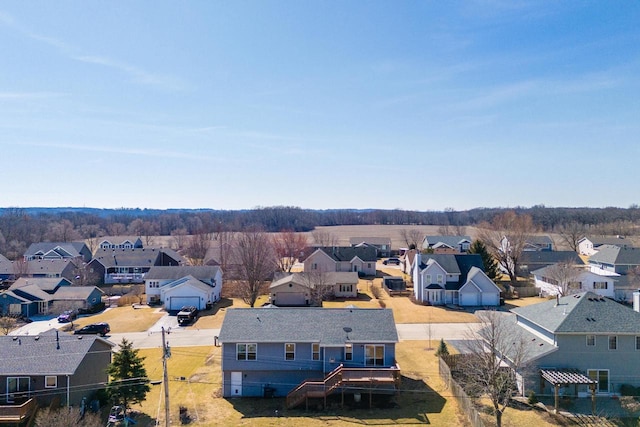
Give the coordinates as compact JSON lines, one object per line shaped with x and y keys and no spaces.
{"x":465,"y":402}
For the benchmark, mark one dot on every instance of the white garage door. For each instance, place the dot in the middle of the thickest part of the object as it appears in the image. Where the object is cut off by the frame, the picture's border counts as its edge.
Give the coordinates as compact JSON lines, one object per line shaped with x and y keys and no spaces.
{"x":290,"y":298}
{"x":176,"y":303}
{"x":469,"y":299}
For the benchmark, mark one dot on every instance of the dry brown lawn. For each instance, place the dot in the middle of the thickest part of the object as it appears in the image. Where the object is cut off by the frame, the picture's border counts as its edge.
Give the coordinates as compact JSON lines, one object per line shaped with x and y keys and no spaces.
{"x":195,"y":383}
{"x":124,"y":319}
{"x":523,"y":302}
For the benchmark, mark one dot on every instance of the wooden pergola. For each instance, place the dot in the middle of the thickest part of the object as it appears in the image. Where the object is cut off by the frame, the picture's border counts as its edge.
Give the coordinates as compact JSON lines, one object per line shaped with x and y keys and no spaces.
{"x":565,"y":377}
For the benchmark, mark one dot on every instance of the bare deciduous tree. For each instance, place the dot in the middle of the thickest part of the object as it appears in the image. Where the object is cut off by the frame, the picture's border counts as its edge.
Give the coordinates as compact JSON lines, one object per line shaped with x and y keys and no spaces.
{"x":7,"y":324}
{"x":62,"y":231}
{"x":495,"y":352}
{"x":197,"y":247}
{"x":563,"y":276}
{"x":505,"y":238}
{"x":20,"y":268}
{"x":179,"y":239}
{"x":324,"y":238}
{"x":571,"y":234}
{"x":83,"y":274}
{"x":257,"y":262}
{"x":116,"y":229}
{"x":288,"y":246}
{"x":320,"y":287}
{"x":412,"y":237}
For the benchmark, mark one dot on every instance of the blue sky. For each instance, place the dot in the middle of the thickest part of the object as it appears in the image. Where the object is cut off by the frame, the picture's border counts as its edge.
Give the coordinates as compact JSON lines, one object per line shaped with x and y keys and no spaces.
{"x":419,"y":105}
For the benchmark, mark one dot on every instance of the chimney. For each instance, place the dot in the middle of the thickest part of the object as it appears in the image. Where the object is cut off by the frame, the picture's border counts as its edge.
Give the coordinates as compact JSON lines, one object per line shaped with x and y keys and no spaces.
{"x":636,"y":300}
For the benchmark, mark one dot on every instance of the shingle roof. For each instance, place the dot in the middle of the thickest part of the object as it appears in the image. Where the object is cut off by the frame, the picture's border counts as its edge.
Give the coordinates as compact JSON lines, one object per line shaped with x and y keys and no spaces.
{"x":139,"y":257}
{"x":550,"y":257}
{"x":44,"y":283}
{"x":613,"y":240}
{"x":370,"y":240}
{"x":585,"y":312}
{"x":201,"y":272}
{"x":190,"y":281}
{"x":75,"y":292}
{"x":40,"y":355}
{"x":328,"y":326}
{"x":615,"y":255}
{"x":452,"y":241}
{"x":32,"y":293}
{"x":307,"y":279}
{"x":455,"y":263}
{"x":72,"y":248}
{"x":347,"y":253}
{"x":48,"y":266}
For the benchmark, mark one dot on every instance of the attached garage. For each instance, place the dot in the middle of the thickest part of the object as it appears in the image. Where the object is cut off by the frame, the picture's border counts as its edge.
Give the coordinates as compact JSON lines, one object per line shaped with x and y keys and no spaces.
{"x":177,"y":302}
{"x":290,"y":299}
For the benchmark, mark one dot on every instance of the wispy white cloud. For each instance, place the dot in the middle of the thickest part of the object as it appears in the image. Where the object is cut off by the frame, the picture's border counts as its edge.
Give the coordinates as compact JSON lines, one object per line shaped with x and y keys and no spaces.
{"x":135,"y":73}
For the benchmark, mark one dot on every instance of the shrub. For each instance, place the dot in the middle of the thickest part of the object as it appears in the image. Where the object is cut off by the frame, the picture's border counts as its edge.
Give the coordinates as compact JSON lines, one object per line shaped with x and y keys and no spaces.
{"x":531,"y":397}
{"x":442,"y":349}
{"x":629,"y":390}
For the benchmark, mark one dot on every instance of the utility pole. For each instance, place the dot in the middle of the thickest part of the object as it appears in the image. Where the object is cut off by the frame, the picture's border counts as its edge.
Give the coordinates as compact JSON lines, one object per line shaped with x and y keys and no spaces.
{"x":166,"y":353}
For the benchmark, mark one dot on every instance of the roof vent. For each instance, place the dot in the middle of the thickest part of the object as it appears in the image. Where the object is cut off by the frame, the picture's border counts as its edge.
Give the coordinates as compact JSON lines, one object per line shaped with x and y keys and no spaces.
{"x":79,"y":337}
{"x":37,"y":337}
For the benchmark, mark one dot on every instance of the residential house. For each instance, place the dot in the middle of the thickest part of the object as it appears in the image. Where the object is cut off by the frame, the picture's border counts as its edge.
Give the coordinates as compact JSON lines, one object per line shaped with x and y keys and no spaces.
{"x":304,"y":289}
{"x":7,"y":270}
{"x":131,"y":265}
{"x":121,"y":242}
{"x":535,"y":260}
{"x":279,"y":351}
{"x":182,"y":285}
{"x":47,"y":284}
{"x":382,"y":244}
{"x":407,"y":260}
{"x":30,"y":299}
{"x":52,"y":268}
{"x":440,"y":279}
{"x":361,"y":260}
{"x":590,"y":245}
{"x":538,"y":243}
{"x":446,"y":244}
{"x":584,"y":336}
{"x":58,"y":250}
{"x":50,"y":367}
{"x":586,"y":280}
{"x":615,"y":259}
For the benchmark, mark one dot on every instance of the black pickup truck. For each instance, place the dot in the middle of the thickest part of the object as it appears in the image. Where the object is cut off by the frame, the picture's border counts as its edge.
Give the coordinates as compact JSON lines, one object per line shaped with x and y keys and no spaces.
{"x":187,"y":314}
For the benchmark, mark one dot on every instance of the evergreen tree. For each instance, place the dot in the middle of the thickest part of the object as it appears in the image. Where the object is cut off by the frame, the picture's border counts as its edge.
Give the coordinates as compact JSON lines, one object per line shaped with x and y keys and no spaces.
{"x":490,"y":264}
{"x":128,"y":378}
{"x":442,"y":349}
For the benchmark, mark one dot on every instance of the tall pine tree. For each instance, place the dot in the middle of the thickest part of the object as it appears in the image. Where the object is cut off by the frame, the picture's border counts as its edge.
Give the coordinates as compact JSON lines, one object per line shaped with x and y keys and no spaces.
{"x":490,"y":264}
{"x":128,"y":377}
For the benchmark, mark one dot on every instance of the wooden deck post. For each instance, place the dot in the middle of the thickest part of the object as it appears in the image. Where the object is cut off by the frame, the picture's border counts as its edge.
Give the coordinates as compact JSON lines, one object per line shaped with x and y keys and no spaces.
{"x":556,"y":388}
{"x":342,"y":397}
{"x":593,"y":398}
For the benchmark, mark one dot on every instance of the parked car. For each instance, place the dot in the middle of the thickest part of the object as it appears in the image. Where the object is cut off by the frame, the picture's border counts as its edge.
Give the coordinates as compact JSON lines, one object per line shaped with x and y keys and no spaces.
{"x":67,"y":316}
{"x":101,"y":329}
{"x":394,"y":261}
{"x":187,"y":315}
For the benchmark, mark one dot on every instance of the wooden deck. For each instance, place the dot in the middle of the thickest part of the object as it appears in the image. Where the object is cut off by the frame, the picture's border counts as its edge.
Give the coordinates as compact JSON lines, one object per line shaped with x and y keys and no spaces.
{"x":369,"y":379}
{"x":15,"y":414}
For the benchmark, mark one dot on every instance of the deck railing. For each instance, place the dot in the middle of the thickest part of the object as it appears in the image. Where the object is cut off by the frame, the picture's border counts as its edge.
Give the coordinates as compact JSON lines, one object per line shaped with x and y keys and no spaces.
{"x":13,"y":414}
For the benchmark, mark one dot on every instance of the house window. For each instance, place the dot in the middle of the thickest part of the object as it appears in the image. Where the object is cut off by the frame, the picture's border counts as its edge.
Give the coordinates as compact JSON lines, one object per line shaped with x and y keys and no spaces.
{"x":314,"y":266}
{"x":440,"y":278}
{"x":346,"y":288}
{"x":637,"y":343}
{"x":17,"y":386}
{"x":246,"y":351}
{"x":613,"y":342}
{"x":599,"y":285}
{"x":374,"y":355}
{"x":602,"y":376}
{"x":591,"y":340}
{"x":427,"y":278}
{"x":289,"y":351}
{"x":315,"y":351}
{"x":348,"y":352}
{"x":50,"y":381}
{"x":369,"y":265}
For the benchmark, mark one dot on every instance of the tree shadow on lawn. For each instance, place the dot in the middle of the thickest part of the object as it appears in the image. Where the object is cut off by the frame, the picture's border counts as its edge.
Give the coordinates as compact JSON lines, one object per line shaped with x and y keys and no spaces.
{"x":412,"y":405}
{"x":224,"y":303}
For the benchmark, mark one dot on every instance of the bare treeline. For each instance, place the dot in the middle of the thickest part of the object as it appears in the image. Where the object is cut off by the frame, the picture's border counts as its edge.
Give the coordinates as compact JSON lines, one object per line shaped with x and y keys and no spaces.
{"x":19,"y":227}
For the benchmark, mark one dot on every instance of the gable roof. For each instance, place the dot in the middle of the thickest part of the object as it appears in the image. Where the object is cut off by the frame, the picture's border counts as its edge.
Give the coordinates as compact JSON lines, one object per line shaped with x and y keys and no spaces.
{"x":44,"y":283}
{"x":456,"y":264}
{"x":451,"y":241}
{"x":550,"y":257}
{"x":539,"y":240}
{"x":50,"y":353}
{"x":348,"y":253}
{"x":307,"y":279}
{"x":328,"y":326}
{"x":585,"y":312}
{"x":186,"y":281}
{"x":48,"y":266}
{"x":616,"y":255}
{"x":612,"y":240}
{"x":75,"y":292}
{"x":133,"y":257}
{"x":378,"y":241}
{"x":32,"y":293}
{"x":200,"y":272}
{"x":72,"y":249}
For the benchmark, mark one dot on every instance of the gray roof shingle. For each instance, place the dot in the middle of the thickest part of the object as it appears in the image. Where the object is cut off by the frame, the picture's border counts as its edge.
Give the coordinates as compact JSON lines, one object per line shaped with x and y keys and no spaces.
{"x":616,"y":255}
{"x":328,"y":326}
{"x":200,"y":272}
{"x":585,"y":312}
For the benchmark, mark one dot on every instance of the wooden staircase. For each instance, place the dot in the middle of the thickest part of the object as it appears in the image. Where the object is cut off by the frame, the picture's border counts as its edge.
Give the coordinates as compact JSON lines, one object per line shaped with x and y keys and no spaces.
{"x":343,"y":377}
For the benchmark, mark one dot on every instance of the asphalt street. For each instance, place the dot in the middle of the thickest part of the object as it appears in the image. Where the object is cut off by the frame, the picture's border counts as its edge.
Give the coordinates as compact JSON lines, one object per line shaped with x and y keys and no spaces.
{"x":188,"y":337}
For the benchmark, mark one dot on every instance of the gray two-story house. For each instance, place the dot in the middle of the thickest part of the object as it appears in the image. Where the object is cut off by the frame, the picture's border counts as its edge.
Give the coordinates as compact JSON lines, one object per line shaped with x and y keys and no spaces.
{"x":589,"y":336}
{"x":306,"y":353}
